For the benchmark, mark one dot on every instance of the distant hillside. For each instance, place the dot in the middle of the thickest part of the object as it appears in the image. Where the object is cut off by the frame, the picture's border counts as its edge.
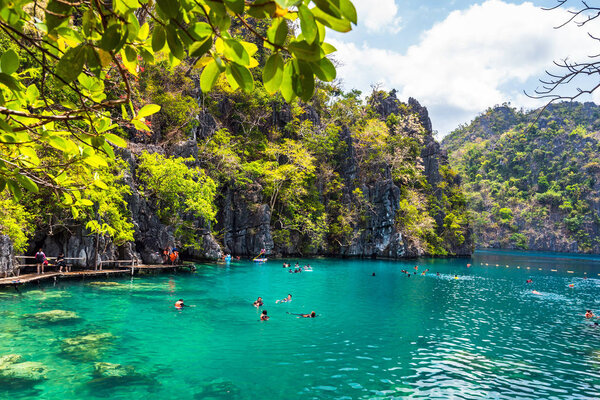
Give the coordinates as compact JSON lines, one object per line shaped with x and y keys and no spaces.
{"x":532,"y":186}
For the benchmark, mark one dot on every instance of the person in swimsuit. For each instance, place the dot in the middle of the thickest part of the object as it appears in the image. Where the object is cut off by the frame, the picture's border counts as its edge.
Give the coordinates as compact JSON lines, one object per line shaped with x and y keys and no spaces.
{"x":289,"y":298}
{"x":264,"y":316}
{"x":179,"y":304}
{"x":258,"y":302}
{"x":589,"y":314}
{"x":311,"y":315}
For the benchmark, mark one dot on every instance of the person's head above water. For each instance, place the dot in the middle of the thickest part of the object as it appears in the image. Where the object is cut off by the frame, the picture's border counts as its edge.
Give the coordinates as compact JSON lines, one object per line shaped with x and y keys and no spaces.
{"x":313,"y":314}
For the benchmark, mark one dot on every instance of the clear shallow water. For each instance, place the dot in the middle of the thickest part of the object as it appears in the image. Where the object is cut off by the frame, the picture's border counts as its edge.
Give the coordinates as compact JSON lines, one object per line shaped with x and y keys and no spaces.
{"x":484,"y":335}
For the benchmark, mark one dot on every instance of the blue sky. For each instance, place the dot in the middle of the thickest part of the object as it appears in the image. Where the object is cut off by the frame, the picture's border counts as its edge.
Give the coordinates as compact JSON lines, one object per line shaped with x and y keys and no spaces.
{"x":457,"y":57}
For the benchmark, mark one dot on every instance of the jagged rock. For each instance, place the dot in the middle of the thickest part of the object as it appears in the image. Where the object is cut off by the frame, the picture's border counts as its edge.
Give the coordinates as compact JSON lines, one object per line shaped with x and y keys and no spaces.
{"x":310,"y":114}
{"x":109,"y":370}
{"x":247,"y":228}
{"x":379,"y":238}
{"x":15,"y":372}
{"x":54,"y":316}
{"x":6,"y":256}
{"x":206,"y":126}
{"x":185,"y":149}
{"x":88,"y":347}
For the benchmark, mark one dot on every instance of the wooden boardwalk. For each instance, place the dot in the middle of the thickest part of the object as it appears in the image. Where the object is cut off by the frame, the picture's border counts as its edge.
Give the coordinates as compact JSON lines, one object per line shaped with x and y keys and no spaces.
{"x":124,"y":270}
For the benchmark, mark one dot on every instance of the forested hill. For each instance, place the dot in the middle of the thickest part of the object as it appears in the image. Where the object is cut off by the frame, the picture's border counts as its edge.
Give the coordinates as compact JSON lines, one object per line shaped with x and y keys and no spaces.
{"x":532,"y":184}
{"x":233,"y":172}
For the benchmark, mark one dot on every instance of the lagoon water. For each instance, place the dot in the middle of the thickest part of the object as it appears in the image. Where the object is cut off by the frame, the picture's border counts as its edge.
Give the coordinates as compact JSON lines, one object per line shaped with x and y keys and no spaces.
{"x":484,"y":335}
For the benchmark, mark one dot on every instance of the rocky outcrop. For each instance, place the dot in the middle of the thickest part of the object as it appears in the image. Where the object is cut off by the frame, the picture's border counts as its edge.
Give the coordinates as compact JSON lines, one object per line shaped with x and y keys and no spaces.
{"x":380,"y":237}
{"x":6,"y":256}
{"x":245,"y":221}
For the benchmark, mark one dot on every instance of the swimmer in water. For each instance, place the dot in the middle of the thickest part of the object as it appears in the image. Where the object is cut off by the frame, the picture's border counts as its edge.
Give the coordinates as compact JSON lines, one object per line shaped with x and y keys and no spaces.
{"x":529,"y":281}
{"x":373,"y":274}
{"x":455,"y":276}
{"x":311,"y":315}
{"x":589,"y":314}
{"x":535,"y":292}
{"x":289,"y":298}
{"x":258,"y":302}
{"x":437,"y":273}
{"x":179,"y":304}
{"x":264,"y":316}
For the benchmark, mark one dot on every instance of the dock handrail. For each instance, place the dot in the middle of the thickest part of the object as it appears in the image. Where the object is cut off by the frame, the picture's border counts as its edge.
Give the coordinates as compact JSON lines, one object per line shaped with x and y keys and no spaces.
{"x":132,"y":262}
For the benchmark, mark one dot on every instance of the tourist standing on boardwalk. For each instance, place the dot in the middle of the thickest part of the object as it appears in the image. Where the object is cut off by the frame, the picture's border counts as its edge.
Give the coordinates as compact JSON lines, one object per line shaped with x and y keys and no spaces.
{"x":40,"y":260}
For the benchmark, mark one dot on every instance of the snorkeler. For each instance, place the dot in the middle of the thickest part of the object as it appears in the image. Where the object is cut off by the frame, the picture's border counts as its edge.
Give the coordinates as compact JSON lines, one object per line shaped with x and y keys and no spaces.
{"x":179,"y":304}
{"x":264,"y":316}
{"x":288,"y":298}
{"x":589,"y":314}
{"x":311,"y":315}
{"x":258,"y":302}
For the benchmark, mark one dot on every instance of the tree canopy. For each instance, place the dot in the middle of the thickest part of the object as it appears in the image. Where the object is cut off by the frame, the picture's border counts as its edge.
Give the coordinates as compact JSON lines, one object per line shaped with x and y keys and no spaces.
{"x":66,"y":76}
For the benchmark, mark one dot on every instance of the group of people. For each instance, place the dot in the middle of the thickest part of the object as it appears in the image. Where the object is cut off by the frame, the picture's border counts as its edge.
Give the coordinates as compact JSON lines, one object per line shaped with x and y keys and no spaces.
{"x":297,"y":268}
{"x":170,"y":255}
{"x":265,"y":317}
{"x":41,"y":262}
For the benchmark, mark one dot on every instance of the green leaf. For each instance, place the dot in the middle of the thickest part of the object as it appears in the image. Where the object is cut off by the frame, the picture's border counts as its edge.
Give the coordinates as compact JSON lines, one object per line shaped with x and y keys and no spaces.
{"x":174,"y":42}
{"x":27,"y":183}
{"x":305,"y":81}
{"x":9,"y":82}
{"x":158,"y":39}
{"x":348,"y":10}
{"x":71,"y":64}
{"x":262,"y":9}
{"x":328,"y":48}
{"x":100,"y":184}
{"x":235,"y":52}
{"x":337,"y":24}
{"x":307,"y":23}
{"x":130,"y":53}
{"x":85,"y":202}
{"x":242,"y":76}
{"x":147,"y":110}
{"x":116,"y":140}
{"x":9,"y":62}
{"x":305,"y":51}
{"x":278,"y":31}
{"x":287,"y":90}
{"x":57,"y":142}
{"x":329,"y":7}
{"x":209,"y":76}
{"x":140,"y":126}
{"x":273,"y":73}
{"x":15,"y":190}
{"x":56,"y":13}
{"x":237,"y":6}
{"x":95,"y":161}
{"x":68,"y":200}
{"x":324,"y":69}
{"x":200,"y":31}
{"x":111,"y":38}
{"x":169,"y":7}
{"x":197,"y":49}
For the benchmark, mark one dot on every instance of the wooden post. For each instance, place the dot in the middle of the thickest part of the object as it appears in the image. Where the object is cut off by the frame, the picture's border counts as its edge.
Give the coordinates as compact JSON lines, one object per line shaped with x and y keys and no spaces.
{"x":96,"y":254}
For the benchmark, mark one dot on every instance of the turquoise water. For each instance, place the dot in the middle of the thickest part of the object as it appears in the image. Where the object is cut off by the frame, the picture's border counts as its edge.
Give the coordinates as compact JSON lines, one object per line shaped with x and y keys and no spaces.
{"x":484,"y":335}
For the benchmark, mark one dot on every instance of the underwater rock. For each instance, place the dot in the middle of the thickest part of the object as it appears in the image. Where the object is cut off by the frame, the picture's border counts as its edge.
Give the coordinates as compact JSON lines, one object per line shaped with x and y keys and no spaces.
{"x":109,"y":375}
{"x":110,"y":370}
{"x":87,"y":347}
{"x":54,"y":316}
{"x":15,"y":371}
{"x":47,"y":294}
{"x":218,"y":389}
{"x":98,"y":283}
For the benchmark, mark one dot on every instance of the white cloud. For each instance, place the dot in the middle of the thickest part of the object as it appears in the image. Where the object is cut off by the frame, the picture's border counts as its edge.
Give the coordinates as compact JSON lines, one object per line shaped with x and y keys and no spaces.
{"x":475,"y":58}
{"x":378,"y":15}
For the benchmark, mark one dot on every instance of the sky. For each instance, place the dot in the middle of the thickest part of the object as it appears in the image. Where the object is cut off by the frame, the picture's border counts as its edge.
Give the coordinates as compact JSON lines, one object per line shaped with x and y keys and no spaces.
{"x":459,"y":57}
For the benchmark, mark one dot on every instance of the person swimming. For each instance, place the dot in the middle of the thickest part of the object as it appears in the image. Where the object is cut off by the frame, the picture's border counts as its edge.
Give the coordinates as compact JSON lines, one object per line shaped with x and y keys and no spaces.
{"x":373,"y":274}
{"x":288,"y":298}
{"x":589,"y":314}
{"x":264,"y":316}
{"x":258,"y":302}
{"x":179,"y":304}
{"x":529,"y":281}
{"x":311,"y":315}
{"x":455,"y":276}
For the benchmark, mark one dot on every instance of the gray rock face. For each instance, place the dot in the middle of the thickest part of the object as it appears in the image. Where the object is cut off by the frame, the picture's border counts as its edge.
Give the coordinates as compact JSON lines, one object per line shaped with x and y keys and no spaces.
{"x":380,"y":238}
{"x":247,"y":229}
{"x":6,"y":256}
